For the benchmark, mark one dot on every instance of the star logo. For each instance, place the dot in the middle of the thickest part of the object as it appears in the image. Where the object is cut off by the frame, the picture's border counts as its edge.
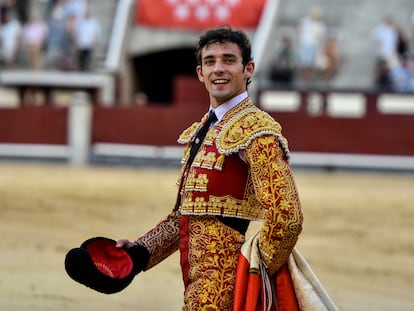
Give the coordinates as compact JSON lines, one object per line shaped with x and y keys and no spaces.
{"x":199,"y":14}
{"x":202,"y":10}
{"x":182,"y":11}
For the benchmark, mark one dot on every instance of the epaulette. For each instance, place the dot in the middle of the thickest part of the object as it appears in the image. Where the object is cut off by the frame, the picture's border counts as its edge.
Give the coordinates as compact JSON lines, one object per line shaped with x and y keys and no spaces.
{"x":188,"y":134}
{"x":242,"y":128}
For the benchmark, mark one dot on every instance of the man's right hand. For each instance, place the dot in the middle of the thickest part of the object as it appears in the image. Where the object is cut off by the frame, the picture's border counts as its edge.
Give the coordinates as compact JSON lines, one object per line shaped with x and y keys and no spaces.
{"x":124,"y":243}
{"x":138,"y":253}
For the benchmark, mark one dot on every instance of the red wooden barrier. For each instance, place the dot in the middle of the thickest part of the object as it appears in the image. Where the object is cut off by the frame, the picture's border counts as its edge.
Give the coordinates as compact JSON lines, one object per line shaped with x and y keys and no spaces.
{"x":374,"y":133}
{"x":33,"y":125}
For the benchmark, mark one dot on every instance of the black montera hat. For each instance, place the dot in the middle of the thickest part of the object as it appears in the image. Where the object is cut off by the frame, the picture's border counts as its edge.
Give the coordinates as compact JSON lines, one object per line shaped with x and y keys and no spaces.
{"x":102,"y":266}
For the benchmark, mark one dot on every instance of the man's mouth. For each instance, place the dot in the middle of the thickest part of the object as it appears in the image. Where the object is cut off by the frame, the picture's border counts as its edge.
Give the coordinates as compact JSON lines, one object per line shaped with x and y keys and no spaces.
{"x":220,"y":81}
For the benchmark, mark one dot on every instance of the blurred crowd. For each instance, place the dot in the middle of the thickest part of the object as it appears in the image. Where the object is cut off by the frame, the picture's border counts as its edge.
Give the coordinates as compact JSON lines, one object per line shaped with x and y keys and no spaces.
{"x":313,"y":55}
{"x":64,"y":37}
{"x":394,"y":66}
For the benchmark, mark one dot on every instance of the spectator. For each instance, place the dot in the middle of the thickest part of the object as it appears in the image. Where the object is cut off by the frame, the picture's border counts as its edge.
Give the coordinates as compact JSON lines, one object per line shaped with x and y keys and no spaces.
{"x":283,"y":69}
{"x":22,"y":9}
{"x":402,"y":75}
{"x":403,"y":44}
{"x":141,"y":99}
{"x":7,"y":7}
{"x":77,"y":8}
{"x":312,"y":32}
{"x":386,"y":39}
{"x":328,"y":61}
{"x":88,"y":33}
{"x":17,"y":8}
{"x":35,"y":34}
{"x":56,"y":30}
{"x":69,"y":45}
{"x":10,"y":33}
{"x":409,"y":66}
{"x":382,"y":77}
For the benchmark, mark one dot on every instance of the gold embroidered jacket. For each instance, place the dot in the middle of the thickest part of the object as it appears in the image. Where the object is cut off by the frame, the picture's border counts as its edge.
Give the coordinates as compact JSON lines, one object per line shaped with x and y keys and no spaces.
{"x":219,"y":182}
{"x":261,"y":187}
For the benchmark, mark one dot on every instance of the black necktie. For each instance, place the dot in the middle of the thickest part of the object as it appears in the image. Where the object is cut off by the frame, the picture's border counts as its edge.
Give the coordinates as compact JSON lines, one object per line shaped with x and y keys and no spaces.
{"x":200,"y":136}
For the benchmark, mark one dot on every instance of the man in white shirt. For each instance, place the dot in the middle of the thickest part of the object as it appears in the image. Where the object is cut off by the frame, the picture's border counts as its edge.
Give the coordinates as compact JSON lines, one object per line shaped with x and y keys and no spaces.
{"x":385,"y":40}
{"x":10,"y":33}
{"x":87,"y":36}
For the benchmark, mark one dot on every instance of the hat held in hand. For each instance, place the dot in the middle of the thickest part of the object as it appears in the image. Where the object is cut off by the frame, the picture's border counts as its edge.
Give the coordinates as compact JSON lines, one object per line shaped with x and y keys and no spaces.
{"x":102,"y":266}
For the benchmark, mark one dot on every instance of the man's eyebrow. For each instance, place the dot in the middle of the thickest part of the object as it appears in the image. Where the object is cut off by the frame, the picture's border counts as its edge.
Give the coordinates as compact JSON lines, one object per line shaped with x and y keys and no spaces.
{"x":230,"y":55}
{"x":224,"y":55}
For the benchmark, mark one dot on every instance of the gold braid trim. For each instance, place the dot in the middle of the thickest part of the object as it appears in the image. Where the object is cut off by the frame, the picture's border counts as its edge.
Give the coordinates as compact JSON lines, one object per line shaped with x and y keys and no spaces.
{"x":189,"y":133}
{"x":245,"y":123}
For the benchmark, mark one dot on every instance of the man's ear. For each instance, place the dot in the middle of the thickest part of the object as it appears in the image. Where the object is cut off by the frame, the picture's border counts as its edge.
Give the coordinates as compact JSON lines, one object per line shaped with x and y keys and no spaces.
{"x":200,"y":73}
{"x":249,"y":69}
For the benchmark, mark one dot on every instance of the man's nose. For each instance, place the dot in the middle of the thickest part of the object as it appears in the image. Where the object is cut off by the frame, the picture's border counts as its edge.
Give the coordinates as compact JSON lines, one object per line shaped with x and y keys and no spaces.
{"x":219,"y":66}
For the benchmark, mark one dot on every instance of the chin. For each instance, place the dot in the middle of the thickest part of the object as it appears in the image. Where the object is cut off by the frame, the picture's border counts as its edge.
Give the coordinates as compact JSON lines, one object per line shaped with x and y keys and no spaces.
{"x":221,"y":97}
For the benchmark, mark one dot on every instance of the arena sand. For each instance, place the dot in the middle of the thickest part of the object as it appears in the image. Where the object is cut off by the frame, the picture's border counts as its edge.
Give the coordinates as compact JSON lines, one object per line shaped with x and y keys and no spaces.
{"x":358,"y":235}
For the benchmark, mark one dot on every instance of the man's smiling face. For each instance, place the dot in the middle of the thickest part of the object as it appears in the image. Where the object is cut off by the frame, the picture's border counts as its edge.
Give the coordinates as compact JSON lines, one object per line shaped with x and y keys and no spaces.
{"x":222,"y":71}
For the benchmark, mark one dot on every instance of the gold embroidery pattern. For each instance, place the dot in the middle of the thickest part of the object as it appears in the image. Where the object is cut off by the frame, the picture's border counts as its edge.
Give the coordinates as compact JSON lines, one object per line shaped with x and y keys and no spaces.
{"x":196,"y":183}
{"x":243,"y":125}
{"x":226,"y":205}
{"x":219,"y":163}
{"x":163,"y":239}
{"x":211,"y":136}
{"x":214,"y":249}
{"x":188,"y":134}
{"x":275,"y":189}
{"x":208,"y":159}
{"x":237,"y":130}
{"x":186,"y":154}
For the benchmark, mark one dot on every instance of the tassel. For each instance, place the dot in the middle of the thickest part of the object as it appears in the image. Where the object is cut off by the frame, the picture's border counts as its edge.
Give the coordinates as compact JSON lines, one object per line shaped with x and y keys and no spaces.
{"x":266,"y":288}
{"x":220,"y":162}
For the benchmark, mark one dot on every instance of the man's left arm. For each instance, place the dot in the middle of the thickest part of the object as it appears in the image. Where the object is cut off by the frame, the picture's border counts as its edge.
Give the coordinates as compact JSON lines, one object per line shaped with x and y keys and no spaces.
{"x":275,"y":190}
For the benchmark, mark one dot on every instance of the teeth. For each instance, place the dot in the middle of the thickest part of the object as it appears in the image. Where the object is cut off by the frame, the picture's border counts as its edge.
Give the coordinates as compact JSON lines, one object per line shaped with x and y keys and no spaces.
{"x":220,"y":81}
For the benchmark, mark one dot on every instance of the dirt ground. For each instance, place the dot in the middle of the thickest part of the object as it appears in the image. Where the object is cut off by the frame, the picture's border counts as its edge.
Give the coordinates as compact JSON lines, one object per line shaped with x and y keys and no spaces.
{"x":358,"y":235}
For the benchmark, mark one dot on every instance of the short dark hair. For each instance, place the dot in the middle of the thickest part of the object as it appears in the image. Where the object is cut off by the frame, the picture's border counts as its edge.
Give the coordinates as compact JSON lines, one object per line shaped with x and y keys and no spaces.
{"x":222,"y":35}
